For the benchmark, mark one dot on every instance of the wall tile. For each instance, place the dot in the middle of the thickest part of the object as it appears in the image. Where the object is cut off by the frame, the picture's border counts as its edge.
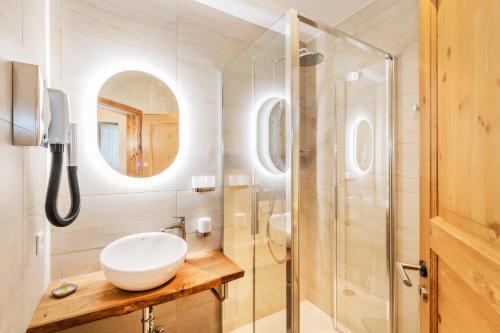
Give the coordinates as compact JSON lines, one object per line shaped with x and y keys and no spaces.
{"x":380,"y":18}
{"x":200,"y":160}
{"x":215,"y":43}
{"x":196,"y":243}
{"x":88,"y":61}
{"x":9,"y":38}
{"x":145,"y":24}
{"x":406,"y":119}
{"x":80,"y":262}
{"x":194,"y":205}
{"x":11,"y":177}
{"x":34,"y":30}
{"x":198,"y":82}
{"x":407,"y":167}
{"x":11,"y":11}
{"x":55,"y":57}
{"x":11,"y":287}
{"x":106,"y":218}
{"x":56,"y":13}
{"x":35,"y":182}
{"x":55,"y":266}
{"x":406,"y":71}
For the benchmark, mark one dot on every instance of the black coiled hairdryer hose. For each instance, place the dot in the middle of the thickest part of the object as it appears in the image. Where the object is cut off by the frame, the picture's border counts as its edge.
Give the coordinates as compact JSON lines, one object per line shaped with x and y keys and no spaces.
{"x":51,"y":211}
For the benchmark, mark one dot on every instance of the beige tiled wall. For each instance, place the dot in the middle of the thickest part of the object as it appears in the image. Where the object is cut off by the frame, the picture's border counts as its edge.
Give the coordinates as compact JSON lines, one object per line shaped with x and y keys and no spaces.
{"x":23,"y":274}
{"x":186,"y":44}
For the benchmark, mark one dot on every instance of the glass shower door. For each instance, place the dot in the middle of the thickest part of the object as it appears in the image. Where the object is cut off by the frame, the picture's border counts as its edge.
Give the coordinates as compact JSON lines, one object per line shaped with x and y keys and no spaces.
{"x":363,"y":194}
{"x":345,"y":169}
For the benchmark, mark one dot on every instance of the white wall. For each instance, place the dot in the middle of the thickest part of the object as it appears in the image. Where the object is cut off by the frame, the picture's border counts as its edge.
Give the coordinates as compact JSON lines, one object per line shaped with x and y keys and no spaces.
{"x":22,"y":174}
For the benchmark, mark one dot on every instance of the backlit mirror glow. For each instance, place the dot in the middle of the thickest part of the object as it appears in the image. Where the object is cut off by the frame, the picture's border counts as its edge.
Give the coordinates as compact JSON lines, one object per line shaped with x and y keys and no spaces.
{"x":363,"y":146}
{"x":271,"y":134}
{"x":137,"y":124}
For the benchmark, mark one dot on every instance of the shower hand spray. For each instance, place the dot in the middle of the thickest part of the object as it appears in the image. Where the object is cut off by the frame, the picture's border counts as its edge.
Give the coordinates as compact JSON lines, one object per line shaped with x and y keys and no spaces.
{"x":61,"y":133}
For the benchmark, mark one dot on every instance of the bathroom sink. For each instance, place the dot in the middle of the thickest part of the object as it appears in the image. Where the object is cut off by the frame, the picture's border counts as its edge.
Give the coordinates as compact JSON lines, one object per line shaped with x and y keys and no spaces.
{"x":143,"y":261}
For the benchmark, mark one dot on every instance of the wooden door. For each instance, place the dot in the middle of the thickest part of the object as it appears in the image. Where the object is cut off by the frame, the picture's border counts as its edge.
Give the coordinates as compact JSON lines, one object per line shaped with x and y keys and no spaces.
{"x":160,"y":142}
{"x":134,"y":149}
{"x":460,"y":164}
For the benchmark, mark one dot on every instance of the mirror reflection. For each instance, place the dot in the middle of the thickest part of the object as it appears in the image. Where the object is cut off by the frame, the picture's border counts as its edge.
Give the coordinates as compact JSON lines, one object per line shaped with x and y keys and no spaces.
{"x":363,"y":145}
{"x":271,"y":134}
{"x":137,"y":124}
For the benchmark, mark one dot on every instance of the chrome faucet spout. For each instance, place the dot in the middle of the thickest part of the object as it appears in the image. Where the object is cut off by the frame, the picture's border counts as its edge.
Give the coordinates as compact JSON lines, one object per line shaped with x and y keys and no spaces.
{"x":180,"y":224}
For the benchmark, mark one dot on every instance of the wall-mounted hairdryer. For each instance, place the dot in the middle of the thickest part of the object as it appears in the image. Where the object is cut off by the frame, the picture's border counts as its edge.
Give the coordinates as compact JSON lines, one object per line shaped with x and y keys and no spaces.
{"x":41,"y":116}
{"x":61,"y":133}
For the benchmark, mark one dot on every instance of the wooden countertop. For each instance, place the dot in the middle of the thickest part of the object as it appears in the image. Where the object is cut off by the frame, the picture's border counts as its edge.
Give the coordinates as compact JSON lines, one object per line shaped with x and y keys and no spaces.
{"x":96,"y":298}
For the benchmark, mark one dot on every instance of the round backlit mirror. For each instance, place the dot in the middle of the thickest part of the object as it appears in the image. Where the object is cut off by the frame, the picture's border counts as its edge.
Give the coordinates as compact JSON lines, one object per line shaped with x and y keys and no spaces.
{"x":271,"y":135}
{"x":363,"y":146}
{"x":137,"y":124}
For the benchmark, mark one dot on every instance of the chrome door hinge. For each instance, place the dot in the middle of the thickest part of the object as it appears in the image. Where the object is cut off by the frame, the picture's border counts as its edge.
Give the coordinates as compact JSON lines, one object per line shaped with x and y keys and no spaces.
{"x":424,"y":293}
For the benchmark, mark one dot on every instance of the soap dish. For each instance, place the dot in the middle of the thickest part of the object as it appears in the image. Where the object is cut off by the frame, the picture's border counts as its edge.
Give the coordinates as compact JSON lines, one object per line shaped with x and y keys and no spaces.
{"x":65,"y":289}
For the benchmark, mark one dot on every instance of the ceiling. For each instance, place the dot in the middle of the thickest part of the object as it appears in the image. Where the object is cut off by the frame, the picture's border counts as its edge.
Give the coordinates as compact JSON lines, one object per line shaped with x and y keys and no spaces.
{"x":266,"y":12}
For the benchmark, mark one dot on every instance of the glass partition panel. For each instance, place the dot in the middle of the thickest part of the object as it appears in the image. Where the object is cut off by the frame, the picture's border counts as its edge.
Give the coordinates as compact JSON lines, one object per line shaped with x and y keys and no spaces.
{"x":255,"y":232}
{"x":272,"y":223}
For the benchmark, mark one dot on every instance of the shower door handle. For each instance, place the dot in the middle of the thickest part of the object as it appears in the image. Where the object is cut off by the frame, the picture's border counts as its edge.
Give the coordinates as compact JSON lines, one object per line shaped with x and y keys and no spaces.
{"x":402,"y":267}
{"x":255,"y":210}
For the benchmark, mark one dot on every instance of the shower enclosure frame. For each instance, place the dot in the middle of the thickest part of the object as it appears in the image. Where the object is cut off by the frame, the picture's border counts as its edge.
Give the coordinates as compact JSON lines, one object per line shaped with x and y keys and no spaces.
{"x":293,"y":18}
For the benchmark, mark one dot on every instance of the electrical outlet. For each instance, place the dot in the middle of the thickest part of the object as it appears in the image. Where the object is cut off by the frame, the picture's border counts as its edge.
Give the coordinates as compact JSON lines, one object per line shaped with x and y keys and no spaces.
{"x":39,"y":242}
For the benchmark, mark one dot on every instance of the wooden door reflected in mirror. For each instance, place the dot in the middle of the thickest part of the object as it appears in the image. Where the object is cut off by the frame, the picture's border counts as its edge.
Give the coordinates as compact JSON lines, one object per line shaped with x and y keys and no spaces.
{"x":138,"y":124}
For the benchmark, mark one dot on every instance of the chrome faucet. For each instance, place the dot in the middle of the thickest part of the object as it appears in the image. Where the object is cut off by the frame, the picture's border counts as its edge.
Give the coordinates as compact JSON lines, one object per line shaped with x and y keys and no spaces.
{"x":180,"y":223}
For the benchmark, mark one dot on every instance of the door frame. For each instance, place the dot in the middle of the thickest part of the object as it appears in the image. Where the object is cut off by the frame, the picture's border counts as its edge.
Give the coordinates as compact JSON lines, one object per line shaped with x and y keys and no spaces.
{"x":428,"y":197}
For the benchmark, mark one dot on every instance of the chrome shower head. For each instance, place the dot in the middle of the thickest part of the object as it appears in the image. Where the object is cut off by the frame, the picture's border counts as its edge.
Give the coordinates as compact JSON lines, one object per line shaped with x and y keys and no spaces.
{"x":309,"y":59}
{"x":306,"y":58}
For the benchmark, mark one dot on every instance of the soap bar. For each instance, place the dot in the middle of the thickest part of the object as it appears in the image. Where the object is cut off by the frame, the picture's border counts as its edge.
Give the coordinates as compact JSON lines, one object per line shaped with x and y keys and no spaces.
{"x":65,"y":289}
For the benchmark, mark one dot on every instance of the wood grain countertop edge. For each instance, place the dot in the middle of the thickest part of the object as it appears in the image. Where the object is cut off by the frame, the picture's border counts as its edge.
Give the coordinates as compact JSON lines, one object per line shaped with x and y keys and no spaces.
{"x":128,"y":306}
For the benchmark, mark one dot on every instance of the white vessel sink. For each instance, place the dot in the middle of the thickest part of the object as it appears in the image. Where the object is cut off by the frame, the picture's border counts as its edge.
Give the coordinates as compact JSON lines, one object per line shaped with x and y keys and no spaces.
{"x":143,"y":261}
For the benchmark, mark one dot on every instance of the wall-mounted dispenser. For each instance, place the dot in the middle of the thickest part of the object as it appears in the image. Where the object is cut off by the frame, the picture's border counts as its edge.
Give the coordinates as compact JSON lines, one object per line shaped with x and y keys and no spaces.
{"x":41,"y":116}
{"x":28,"y":101}
{"x":203,"y":183}
{"x":204,"y":228}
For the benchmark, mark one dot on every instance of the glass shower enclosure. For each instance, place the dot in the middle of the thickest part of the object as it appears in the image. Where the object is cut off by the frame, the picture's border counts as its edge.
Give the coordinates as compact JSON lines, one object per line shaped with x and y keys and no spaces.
{"x":307,"y":172}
